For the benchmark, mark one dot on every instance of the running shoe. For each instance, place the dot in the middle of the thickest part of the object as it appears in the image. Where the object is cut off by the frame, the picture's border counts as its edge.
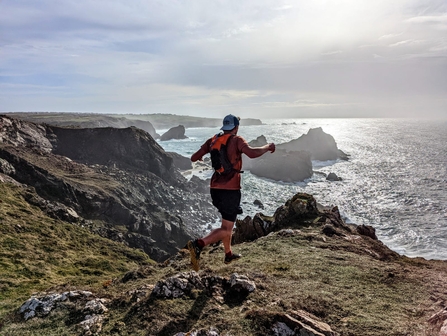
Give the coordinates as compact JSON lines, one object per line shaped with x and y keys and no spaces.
{"x":232,"y":257}
{"x":194,"y":251}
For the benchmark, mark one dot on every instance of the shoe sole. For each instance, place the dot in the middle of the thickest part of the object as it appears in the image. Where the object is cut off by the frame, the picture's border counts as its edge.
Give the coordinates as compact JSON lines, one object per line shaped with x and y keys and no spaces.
{"x":194,"y":260}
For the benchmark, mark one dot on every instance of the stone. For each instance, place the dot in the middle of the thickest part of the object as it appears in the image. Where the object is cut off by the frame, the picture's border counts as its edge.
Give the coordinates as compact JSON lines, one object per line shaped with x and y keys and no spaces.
{"x":177,"y":286}
{"x":313,"y":322}
{"x":241,"y":283}
{"x":367,"y":230}
{"x":258,"y":203}
{"x":177,"y":132}
{"x":443,"y":331}
{"x":92,"y":325}
{"x":333,"y":177}
{"x":6,"y":168}
{"x":96,"y":306}
{"x":282,"y":329}
{"x":40,"y":306}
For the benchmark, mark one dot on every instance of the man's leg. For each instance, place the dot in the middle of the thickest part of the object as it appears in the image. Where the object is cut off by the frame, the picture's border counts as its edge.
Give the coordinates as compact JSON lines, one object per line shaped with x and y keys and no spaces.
{"x":223,"y":233}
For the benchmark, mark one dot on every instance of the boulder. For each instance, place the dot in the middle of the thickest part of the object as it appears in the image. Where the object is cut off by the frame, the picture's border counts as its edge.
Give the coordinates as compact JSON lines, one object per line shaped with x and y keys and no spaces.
{"x":241,"y":283}
{"x":284,"y":166}
{"x":367,"y":230}
{"x":333,"y":177}
{"x":258,"y":203}
{"x":177,"y":132}
{"x":321,"y":145}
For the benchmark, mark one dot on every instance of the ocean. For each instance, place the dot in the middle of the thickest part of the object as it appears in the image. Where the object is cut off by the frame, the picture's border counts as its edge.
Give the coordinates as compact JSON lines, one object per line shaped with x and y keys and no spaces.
{"x":395,"y":180}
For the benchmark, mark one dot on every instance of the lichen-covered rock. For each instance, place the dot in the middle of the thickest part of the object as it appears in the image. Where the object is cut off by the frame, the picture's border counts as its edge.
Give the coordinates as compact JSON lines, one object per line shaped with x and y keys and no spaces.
{"x":241,"y":283}
{"x":178,"y":286}
{"x":92,"y":325}
{"x":184,"y":283}
{"x":212,"y":331}
{"x":96,"y":306}
{"x":40,"y":306}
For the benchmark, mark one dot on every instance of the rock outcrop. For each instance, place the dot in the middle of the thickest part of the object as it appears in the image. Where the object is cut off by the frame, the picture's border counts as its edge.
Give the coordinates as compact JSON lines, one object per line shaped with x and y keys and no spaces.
{"x":321,"y":145}
{"x":180,"y":161}
{"x":283,"y":166}
{"x":121,"y":177}
{"x":286,"y":166}
{"x":177,"y":132}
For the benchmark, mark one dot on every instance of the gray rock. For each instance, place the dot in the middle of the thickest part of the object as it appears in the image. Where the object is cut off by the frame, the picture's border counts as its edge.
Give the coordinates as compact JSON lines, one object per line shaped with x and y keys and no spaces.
{"x":6,"y":168}
{"x":321,"y":145}
{"x":40,"y":306}
{"x":333,"y":177}
{"x":258,"y":203}
{"x":92,"y":325}
{"x":284,"y":166}
{"x":177,"y":132}
{"x":180,"y":161}
{"x":241,"y":283}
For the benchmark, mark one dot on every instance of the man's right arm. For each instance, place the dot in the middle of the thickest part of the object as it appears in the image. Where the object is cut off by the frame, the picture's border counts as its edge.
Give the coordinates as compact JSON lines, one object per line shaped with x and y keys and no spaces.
{"x":254,"y":152}
{"x":204,"y":149}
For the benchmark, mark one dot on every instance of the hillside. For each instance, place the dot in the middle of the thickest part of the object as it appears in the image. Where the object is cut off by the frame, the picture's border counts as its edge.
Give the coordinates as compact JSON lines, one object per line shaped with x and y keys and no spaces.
{"x":119,"y":183}
{"x":38,"y":252}
{"x":317,"y":277}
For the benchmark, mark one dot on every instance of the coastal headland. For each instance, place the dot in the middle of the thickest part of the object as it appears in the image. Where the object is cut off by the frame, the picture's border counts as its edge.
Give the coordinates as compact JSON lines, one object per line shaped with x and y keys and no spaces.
{"x":93,"y":225}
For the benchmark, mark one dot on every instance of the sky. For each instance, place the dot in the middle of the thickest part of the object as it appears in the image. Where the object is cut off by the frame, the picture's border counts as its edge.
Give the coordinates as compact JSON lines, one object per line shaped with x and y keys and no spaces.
{"x":260,"y":59}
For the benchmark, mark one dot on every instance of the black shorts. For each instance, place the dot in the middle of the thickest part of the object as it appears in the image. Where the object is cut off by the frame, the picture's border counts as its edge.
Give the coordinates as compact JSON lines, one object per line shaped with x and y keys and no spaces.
{"x":227,"y":202}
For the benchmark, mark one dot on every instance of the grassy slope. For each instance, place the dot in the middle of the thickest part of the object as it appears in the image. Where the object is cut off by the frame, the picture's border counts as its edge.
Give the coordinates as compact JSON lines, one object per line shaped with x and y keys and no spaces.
{"x":38,"y":252}
{"x":336,"y":279}
{"x":352,"y":291}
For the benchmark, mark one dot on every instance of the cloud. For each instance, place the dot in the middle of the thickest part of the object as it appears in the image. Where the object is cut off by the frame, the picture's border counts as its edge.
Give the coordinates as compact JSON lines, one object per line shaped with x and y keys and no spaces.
{"x":151,"y":56}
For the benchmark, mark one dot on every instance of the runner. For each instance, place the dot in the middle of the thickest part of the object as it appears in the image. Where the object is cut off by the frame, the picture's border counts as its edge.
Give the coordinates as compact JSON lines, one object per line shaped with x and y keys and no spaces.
{"x":225,"y":189}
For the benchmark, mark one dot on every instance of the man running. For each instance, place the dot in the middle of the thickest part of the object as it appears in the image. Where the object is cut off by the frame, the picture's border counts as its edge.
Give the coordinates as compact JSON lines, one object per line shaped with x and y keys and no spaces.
{"x":226,"y":189}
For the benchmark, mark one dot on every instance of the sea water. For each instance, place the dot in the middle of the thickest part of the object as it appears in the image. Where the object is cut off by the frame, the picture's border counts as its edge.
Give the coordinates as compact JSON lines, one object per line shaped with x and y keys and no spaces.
{"x":395,"y":179}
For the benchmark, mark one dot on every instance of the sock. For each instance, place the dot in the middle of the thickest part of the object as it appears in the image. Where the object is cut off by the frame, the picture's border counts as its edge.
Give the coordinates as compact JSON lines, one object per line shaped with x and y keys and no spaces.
{"x":229,"y":254}
{"x":200,"y":243}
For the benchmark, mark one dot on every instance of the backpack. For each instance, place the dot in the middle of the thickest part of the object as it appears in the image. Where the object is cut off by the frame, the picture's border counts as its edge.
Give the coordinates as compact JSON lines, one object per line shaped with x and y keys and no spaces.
{"x":219,"y":156}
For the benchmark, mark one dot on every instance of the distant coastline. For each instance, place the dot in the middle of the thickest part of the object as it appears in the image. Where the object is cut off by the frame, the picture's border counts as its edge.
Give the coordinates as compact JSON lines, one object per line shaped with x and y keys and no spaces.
{"x":158,"y":121}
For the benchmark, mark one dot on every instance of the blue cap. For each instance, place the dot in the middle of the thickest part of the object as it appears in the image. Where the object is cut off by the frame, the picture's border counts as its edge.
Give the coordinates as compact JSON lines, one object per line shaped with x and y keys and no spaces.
{"x":230,"y":122}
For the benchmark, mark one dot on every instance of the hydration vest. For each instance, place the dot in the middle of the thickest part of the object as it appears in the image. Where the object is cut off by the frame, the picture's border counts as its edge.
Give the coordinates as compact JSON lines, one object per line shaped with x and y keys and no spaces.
{"x":219,"y":156}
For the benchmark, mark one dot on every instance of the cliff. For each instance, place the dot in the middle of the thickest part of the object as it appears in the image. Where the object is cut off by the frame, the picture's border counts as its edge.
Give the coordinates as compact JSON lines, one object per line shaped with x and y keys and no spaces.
{"x":118,"y":182}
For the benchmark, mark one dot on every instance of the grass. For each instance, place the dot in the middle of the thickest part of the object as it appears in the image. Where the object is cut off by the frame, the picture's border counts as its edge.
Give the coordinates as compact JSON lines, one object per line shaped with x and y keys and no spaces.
{"x":343,"y":282}
{"x":38,"y":252}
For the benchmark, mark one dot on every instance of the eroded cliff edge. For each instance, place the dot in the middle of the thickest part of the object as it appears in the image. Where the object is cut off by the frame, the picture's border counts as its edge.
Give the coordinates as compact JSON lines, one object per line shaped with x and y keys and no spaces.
{"x":118,"y":182}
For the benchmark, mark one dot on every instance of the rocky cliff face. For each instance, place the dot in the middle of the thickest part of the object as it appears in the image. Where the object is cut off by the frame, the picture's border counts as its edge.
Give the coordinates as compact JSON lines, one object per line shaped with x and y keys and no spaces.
{"x":119,"y":178}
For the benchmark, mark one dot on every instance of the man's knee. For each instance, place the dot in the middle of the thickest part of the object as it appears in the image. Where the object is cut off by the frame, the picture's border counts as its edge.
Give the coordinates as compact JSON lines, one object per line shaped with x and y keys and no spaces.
{"x":227,"y":225}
